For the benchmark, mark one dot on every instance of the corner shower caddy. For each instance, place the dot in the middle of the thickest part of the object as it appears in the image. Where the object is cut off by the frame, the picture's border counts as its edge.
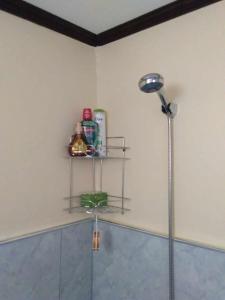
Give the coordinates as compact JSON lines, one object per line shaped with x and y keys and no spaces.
{"x":116,"y":203}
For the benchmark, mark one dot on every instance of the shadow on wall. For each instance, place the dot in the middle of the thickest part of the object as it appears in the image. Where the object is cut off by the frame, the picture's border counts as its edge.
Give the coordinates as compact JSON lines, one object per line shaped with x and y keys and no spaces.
{"x":174,"y":93}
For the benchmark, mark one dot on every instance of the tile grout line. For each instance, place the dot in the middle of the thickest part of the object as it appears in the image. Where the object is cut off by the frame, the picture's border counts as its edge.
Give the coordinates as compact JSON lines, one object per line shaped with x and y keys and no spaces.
{"x":164,"y":236}
{"x":60,"y":264}
{"x":155,"y":234}
{"x":92,"y":265}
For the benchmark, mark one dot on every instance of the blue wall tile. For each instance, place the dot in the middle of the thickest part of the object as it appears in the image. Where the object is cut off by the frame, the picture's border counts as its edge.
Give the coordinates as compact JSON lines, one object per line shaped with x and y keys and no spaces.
{"x":130,"y":265}
{"x":29,"y":268}
{"x":49,"y":266}
{"x":200,"y":273}
{"x":76,"y":262}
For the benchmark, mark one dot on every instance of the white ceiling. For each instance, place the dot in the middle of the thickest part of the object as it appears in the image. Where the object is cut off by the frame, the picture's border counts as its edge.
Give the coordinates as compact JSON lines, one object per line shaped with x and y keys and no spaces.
{"x":98,"y":15}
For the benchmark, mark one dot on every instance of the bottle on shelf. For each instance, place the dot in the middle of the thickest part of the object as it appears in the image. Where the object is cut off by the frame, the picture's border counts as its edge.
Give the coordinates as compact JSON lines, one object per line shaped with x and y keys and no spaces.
{"x":78,"y":143}
{"x":96,"y":236}
{"x":100,"y":119}
{"x":96,"y":241}
{"x":90,"y":129}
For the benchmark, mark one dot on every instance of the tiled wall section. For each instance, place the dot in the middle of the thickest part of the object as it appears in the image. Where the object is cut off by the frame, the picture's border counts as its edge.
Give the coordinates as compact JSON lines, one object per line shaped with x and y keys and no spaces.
{"x":200,"y":273}
{"x":49,"y":266}
{"x":76,"y":262}
{"x":131,"y":265}
{"x":134,"y":265}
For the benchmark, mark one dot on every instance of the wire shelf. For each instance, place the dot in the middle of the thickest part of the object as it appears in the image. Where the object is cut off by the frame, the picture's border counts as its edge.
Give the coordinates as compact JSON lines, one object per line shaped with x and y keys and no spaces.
{"x":74,"y":205}
{"x":108,"y":209}
{"x":111,"y":198}
{"x":97,"y":157}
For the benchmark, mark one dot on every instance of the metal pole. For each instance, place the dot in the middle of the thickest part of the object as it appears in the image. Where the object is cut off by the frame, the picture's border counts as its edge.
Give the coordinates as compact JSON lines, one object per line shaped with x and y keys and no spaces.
{"x":93,"y":175}
{"x":171,"y":207}
{"x":71,"y":185}
{"x":101,"y":170}
{"x":123,"y":174}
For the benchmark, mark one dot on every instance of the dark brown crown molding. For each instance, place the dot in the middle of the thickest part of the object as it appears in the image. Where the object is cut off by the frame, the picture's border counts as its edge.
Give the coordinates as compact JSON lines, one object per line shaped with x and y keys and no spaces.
{"x":41,"y":17}
{"x":158,"y":16}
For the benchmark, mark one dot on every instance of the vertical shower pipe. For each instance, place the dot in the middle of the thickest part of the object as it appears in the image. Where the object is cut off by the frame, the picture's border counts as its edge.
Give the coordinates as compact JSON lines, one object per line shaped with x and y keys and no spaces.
{"x":171,"y":207}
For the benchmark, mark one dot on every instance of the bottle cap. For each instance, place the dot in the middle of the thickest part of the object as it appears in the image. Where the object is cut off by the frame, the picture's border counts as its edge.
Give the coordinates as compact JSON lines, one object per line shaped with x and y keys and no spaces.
{"x":99,"y":110}
{"x":87,"y":114}
{"x":78,"y":128}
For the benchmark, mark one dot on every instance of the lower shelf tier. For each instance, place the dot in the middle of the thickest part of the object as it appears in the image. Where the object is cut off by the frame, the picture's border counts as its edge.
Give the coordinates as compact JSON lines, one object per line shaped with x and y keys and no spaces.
{"x":110,"y":208}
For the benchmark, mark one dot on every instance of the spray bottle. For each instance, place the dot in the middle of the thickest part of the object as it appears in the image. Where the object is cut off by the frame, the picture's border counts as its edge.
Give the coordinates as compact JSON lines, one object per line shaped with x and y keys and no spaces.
{"x":100,"y":119}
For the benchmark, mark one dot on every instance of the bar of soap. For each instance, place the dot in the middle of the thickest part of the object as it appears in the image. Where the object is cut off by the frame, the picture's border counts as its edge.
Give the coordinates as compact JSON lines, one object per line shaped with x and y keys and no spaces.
{"x":92,"y":200}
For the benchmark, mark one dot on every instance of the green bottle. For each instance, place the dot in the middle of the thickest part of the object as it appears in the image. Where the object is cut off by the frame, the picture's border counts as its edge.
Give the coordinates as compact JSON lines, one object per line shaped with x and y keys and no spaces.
{"x":90,"y":129}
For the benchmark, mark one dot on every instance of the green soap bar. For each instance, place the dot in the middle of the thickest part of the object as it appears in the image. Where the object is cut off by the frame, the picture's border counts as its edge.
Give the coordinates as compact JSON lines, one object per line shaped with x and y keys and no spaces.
{"x":93,"y":199}
{"x":87,"y":197}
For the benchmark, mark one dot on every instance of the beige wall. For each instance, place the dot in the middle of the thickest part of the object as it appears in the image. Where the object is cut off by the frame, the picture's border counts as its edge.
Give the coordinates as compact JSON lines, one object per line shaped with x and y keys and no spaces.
{"x":43,"y":87}
{"x":190,"y":52}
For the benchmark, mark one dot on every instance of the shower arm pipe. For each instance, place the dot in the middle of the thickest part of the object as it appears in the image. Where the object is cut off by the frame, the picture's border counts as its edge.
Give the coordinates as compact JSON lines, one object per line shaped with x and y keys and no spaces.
{"x":165,"y":105}
{"x":171,"y":207}
{"x":170,"y":109}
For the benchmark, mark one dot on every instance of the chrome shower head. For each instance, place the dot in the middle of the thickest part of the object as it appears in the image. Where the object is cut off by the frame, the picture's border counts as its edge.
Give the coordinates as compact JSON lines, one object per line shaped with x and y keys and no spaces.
{"x":151,"y":83}
{"x":154,"y":82}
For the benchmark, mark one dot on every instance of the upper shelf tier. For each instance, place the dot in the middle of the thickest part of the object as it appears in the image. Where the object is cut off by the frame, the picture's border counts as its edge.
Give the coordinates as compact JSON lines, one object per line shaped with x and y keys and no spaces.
{"x":97,"y":157}
{"x":118,"y":143}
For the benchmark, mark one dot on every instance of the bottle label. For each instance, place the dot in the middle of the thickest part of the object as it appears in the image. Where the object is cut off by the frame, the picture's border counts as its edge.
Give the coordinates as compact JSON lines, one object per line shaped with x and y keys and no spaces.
{"x":100,"y":119}
{"x":89,"y":133}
